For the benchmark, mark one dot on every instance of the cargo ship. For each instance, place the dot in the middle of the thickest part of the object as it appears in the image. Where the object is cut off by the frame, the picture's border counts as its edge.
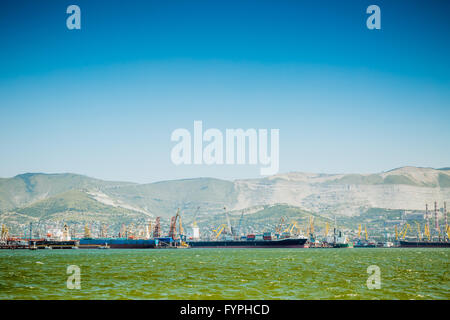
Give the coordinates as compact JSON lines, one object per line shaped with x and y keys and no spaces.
{"x":424,"y":244}
{"x":278,"y":243}
{"x":53,"y":244}
{"x":364,"y":244}
{"x":117,"y":243}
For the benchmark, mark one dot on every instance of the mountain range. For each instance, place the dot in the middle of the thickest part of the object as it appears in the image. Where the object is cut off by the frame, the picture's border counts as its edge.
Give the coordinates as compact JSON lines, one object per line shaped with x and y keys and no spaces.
{"x":71,"y":197}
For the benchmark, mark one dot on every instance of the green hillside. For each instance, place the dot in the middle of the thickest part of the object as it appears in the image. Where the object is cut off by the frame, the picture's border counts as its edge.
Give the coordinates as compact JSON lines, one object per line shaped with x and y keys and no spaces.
{"x":26,"y":188}
{"x":72,"y":207}
{"x":163,"y":198}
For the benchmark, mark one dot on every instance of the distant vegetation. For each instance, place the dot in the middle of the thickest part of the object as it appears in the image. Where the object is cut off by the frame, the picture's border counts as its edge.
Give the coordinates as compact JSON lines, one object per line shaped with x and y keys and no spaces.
{"x":79,"y":199}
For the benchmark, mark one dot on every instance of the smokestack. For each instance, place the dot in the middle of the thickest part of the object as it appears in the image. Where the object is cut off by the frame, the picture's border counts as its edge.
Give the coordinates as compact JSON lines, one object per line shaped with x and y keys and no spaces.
{"x":436,"y":224}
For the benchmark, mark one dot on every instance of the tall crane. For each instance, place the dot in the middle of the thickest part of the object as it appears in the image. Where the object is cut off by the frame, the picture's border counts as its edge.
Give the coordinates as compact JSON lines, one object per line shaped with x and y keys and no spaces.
{"x":173,"y":225}
{"x":359,"y":231}
{"x":405,"y":231}
{"x":5,"y":233}
{"x":131,"y":231}
{"x":149,"y":230}
{"x":327,"y":228}
{"x":194,"y":222}
{"x":365,"y":233}
{"x":280,"y":223}
{"x":230,"y":228}
{"x":419,"y":237}
{"x":180,"y":228}
{"x":238,"y":230}
{"x":87,"y":231}
{"x":293,"y":226}
{"x":290,"y":227}
{"x":103,"y":231}
{"x":157,"y":229}
{"x":219,"y":230}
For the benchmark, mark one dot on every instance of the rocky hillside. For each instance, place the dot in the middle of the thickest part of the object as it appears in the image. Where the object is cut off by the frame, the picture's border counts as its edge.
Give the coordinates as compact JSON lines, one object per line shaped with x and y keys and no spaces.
{"x":80,"y":198}
{"x":349,"y":194}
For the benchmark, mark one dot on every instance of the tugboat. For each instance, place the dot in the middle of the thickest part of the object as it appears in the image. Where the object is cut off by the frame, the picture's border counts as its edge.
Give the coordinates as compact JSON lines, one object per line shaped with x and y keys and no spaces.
{"x":104,"y":247}
{"x":340,"y":239}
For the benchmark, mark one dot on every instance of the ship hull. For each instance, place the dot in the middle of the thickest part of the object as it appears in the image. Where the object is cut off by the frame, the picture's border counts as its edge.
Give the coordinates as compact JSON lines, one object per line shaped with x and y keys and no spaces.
{"x":118,"y":243}
{"x":424,"y":244}
{"x":342,"y":245}
{"x":283,"y":243}
{"x":55,"y":244}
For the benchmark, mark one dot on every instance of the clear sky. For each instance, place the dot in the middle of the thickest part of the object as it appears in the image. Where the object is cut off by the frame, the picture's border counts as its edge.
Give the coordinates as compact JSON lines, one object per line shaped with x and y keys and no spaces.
{"x":104,"y":100}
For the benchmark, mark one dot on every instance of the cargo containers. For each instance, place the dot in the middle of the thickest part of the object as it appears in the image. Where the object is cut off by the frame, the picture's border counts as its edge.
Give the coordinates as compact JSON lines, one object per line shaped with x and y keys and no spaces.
{"x":250,"y":237}
{"x":267,"y":236}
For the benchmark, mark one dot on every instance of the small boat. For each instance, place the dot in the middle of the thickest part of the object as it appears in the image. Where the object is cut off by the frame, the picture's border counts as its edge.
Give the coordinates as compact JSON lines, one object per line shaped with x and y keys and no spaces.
{"x":104,"y":247}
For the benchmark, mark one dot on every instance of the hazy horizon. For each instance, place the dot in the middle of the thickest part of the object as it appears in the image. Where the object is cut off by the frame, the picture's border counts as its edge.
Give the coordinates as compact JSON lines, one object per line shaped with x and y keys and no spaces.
{"x":103,"y":101}
{"x":209,"y":177}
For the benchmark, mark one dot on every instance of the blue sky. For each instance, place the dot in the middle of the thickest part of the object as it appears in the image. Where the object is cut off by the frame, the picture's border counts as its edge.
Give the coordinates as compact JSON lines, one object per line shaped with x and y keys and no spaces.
{"x":103,"y":100}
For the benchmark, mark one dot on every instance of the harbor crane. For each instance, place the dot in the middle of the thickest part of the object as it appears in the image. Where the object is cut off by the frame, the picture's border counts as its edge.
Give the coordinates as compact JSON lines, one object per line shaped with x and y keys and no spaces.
{"x":311,"y":223}
{"x":157,"y":229}
{"x":419,"y":237}
{"x":180,"y":227}
{"x":405,"y":231}
{"x":219,"y":230}
{"x":426,"y":232}
{"x":230,"y":228}
{"x":194,"y":222}
{"x":278,"y":228}
{"x":291,"y":227}
{"x":173,"y":225}
{"x":5,"y":233}
{"x":87,"y":232}
{"x":238,"y":230}
{"x":181,"y":233}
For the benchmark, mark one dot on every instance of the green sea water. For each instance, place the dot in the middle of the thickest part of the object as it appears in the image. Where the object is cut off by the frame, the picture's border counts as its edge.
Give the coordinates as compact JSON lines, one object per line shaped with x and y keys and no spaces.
{"x":226,"y":274}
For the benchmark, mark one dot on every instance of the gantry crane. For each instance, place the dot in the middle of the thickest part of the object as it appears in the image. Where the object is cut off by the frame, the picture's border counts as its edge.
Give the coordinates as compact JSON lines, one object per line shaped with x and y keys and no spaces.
{"x":327,"y":229}
{"x":219,"y":230}
{"x":173,"y":225}
{"x":5,"y":233}
{"x":157,"y":229}
{"x":87,"y":231}
{"x":405,"y":231}
{"x":180,"y":227}
{"x":280,"y":224}
{"x":238,"y":230}
{"x":194,"y":222}
{"x":419,"y":237}
{"x":230,"y":228}
{"x":291,"y":227}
